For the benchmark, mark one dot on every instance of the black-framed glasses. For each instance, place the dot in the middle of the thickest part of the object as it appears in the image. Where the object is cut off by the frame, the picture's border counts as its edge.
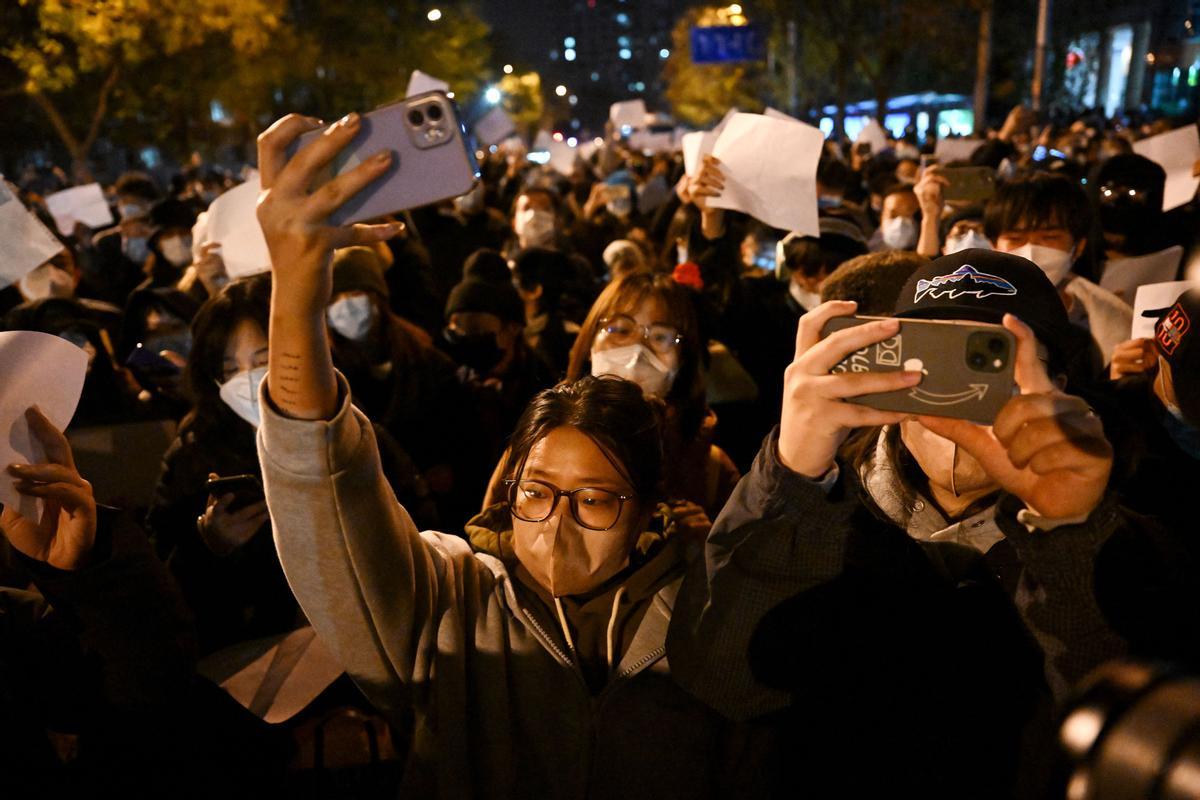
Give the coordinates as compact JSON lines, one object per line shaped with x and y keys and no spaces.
{"x":622,"y":330}
{"x":594,"y":509}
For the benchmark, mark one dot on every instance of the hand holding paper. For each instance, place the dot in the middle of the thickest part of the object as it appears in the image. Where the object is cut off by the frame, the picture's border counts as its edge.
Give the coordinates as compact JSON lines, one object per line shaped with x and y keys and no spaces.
{"x":43,"y":370}
{"x":84,"y":204}
{"x":770,"y":170}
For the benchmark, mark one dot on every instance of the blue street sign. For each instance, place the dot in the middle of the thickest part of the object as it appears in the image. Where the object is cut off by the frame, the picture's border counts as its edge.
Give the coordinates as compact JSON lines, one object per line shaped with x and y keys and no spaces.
{"x":723,"y":44}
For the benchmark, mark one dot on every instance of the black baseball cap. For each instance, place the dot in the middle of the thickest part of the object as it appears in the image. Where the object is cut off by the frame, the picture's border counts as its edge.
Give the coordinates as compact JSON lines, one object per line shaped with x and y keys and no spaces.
{"x":984,"y":285}
{"x":1178,"y":342}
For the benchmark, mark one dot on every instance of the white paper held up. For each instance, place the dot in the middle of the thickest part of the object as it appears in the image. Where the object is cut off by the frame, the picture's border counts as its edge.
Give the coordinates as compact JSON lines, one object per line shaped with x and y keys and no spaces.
{"x":950,"y":150}
{"x":1175,"y":151}
{"x":420,"y":82}
{"x":1122,"y":276}
{"x":770,"y":170}
{"x":628,"y":112}
{"x":494,"y":127}
{"x":232,"y":222}
{"x":873,"y":134}
{"x":84,"y":204}
{"x":1151,"y":302}
{"x":695,"y":147}
{"x":41,"y":369}
{"x":25,"y":243}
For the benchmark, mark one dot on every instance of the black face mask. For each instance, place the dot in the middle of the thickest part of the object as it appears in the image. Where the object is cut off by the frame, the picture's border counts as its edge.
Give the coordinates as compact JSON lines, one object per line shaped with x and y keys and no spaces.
{"x":478,"y":351}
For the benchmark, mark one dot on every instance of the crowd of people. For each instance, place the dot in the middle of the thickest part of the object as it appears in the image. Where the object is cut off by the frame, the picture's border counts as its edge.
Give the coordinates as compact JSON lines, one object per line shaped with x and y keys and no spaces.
{"x":560,"y":476}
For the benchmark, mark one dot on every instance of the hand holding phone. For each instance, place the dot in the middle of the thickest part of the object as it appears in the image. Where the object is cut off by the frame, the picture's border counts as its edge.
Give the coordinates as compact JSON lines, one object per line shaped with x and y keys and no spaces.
{"x":1045,"y":446}
{"x":234,"y":513}
{"x":815,"y":419}
{"x":968,"y":184}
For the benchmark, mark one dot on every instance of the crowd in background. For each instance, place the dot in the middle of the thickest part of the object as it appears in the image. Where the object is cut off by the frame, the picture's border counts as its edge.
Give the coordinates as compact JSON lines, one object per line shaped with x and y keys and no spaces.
{"x":446,"y":331}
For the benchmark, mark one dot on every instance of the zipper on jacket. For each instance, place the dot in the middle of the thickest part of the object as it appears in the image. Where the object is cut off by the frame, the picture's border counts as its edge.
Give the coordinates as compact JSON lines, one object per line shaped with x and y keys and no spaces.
{"x":547,"y":640}
{"x":656,"y":653}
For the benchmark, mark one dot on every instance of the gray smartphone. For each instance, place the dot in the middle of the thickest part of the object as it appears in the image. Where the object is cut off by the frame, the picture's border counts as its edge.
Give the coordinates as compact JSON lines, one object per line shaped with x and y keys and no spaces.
{"x":969,"y":184}
{"x":967,"y":367}
{"x":432,"y":159}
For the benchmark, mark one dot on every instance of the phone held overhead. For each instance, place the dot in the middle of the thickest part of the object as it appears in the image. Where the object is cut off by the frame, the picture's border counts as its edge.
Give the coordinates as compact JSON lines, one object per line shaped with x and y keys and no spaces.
{"x":950,"y":332}
{"x":432,"y":159}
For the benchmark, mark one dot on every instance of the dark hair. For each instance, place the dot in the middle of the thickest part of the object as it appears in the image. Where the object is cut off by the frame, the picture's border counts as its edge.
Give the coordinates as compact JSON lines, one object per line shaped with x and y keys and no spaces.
{"x":549,"y":269}
{"x":613,"y":413}
{"x":873,"y":281}
{"x":248,"y":298}
{"x":833,"y":173}
{"x":1042,"y":200}
{"x":537,"y":189}
{"x":137,"y":184}
{"x":811,"y":256}
{"x":624,"y":295}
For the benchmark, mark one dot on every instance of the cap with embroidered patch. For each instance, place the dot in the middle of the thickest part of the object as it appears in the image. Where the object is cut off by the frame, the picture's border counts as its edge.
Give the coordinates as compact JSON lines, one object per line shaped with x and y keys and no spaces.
{"x":1178,"y":342}
{"x":984,"y":285}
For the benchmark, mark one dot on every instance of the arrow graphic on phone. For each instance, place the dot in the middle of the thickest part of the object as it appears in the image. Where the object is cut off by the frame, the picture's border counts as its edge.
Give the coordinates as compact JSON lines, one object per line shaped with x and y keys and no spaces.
{"x":976,"y":392}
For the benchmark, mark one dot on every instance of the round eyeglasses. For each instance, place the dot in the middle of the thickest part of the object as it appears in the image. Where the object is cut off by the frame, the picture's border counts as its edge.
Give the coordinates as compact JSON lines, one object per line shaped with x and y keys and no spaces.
{"x":594,"y":509}
{"x":622,"y":330}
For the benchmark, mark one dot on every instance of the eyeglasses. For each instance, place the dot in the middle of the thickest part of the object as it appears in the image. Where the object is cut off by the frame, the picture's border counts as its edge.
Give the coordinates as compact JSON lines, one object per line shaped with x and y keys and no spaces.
{"x":594,"y":509}
{"x":624,"y":330}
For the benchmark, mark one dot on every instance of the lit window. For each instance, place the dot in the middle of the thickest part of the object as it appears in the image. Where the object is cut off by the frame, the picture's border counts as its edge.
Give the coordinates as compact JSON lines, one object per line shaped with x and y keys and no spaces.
{"x":595,"y":76}
{"x":623,"y":41}
{"x":569,"y":54}
{"x":625,"y":53}
{"x":664,"y":53}
{"x":569,"y":41}
{"x":623,"y":18}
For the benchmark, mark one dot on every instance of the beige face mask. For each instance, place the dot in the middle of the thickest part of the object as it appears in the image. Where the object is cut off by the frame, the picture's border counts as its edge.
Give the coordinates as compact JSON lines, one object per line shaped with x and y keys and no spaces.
{"x":942,"y":461}
{"x":566,"y":559}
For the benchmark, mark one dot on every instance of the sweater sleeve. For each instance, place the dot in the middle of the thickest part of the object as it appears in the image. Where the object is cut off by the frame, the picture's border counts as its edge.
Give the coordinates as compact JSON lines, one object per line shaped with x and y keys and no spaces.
{"x":780,"y":534}
{"x":374,"y":588}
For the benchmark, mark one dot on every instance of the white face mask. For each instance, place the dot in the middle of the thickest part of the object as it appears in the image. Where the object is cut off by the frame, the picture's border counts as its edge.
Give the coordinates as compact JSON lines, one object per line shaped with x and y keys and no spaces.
{"x":972,"y":240}
{"x":807,"y":300}
{"x":351,"y":316}
{"x":534,"y":227}
{"x":900,"y":233}
{"x":46,"y":281}
{"x":240,"y":393}
{"x":131,"y":210}
{"x":637,"y":363}
{"x":1052,"y":261}
{"x":177,"y":250}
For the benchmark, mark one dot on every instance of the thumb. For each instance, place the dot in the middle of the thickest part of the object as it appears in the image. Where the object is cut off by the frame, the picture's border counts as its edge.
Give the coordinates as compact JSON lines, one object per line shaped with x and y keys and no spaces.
{"x":1030,"y":373}
{"x":978,"y":441}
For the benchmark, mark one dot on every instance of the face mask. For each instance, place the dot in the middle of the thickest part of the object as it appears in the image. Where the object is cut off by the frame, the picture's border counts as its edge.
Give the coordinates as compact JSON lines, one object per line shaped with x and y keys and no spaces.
{"x":135,"y":248}
{"x":131,"y":210}
{"x":478,"y":351}
{"x":829,"y":202}
{"x":535,"y":228}
{"x":972,"y":240}
{"x":1052,"y":261}
{"x":177,"y":250}
{"x":681,"y":252}
{"x":566,"y":559}
{"x":807,"y":300}
{"x":46,"y":281}
{"x":470,"y":203}
{"x":942,"y":460}
{"x":637,"y":363}
{"x":900,"y":233}
{"x":352,"y":316}
{"x":240,"y":393}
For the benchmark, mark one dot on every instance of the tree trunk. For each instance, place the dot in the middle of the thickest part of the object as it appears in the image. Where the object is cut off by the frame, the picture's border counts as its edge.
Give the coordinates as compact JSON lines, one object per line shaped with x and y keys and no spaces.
{"x":80,"y":149}
{"x":841,"y":90}
{"x":983,"y":66}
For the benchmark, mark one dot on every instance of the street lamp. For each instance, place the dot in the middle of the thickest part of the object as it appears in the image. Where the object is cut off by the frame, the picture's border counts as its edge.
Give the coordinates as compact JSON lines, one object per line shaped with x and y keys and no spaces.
{"x":560,"y":90}
{"x":508,"y":68}
{"x":492,"y":95}
{"x":434,"y":14}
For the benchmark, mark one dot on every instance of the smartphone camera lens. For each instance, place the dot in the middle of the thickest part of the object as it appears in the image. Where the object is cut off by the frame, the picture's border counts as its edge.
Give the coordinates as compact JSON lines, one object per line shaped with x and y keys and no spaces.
{"x":977,"y":361}
{"x":996,"y":345}
{"x":434,"y":112}
{"x":416,"y":118}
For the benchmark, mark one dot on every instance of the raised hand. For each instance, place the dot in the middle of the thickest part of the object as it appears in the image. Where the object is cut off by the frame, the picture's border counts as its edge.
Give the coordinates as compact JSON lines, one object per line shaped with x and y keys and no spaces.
{"x":64,"y":535}
{"x":816,"y":417}
{"x":1046,"y":447}
{"x":1132,"y":358}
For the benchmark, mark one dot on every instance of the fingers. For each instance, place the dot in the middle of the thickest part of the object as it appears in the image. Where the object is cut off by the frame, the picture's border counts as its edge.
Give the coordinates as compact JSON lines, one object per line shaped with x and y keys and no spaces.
{"x":829,"y":352}
{"x":250,"y":512}
{"x":1030,"y":373}
{"x":302,"y":169}
{"x":1025,"y":408}
{"x":274,"y":142}
{"x":337,"y":191}
{"x":856,"y":384}
{"x":55,"y":445}
{"x":45,"y":473}
{"x":350,"y":235}
{"x":808,"y":332}
{"x":850,"y":415}
{"x":1065,"y":455}
{"x":69,"y":495}
{"x":1077,"y":429}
